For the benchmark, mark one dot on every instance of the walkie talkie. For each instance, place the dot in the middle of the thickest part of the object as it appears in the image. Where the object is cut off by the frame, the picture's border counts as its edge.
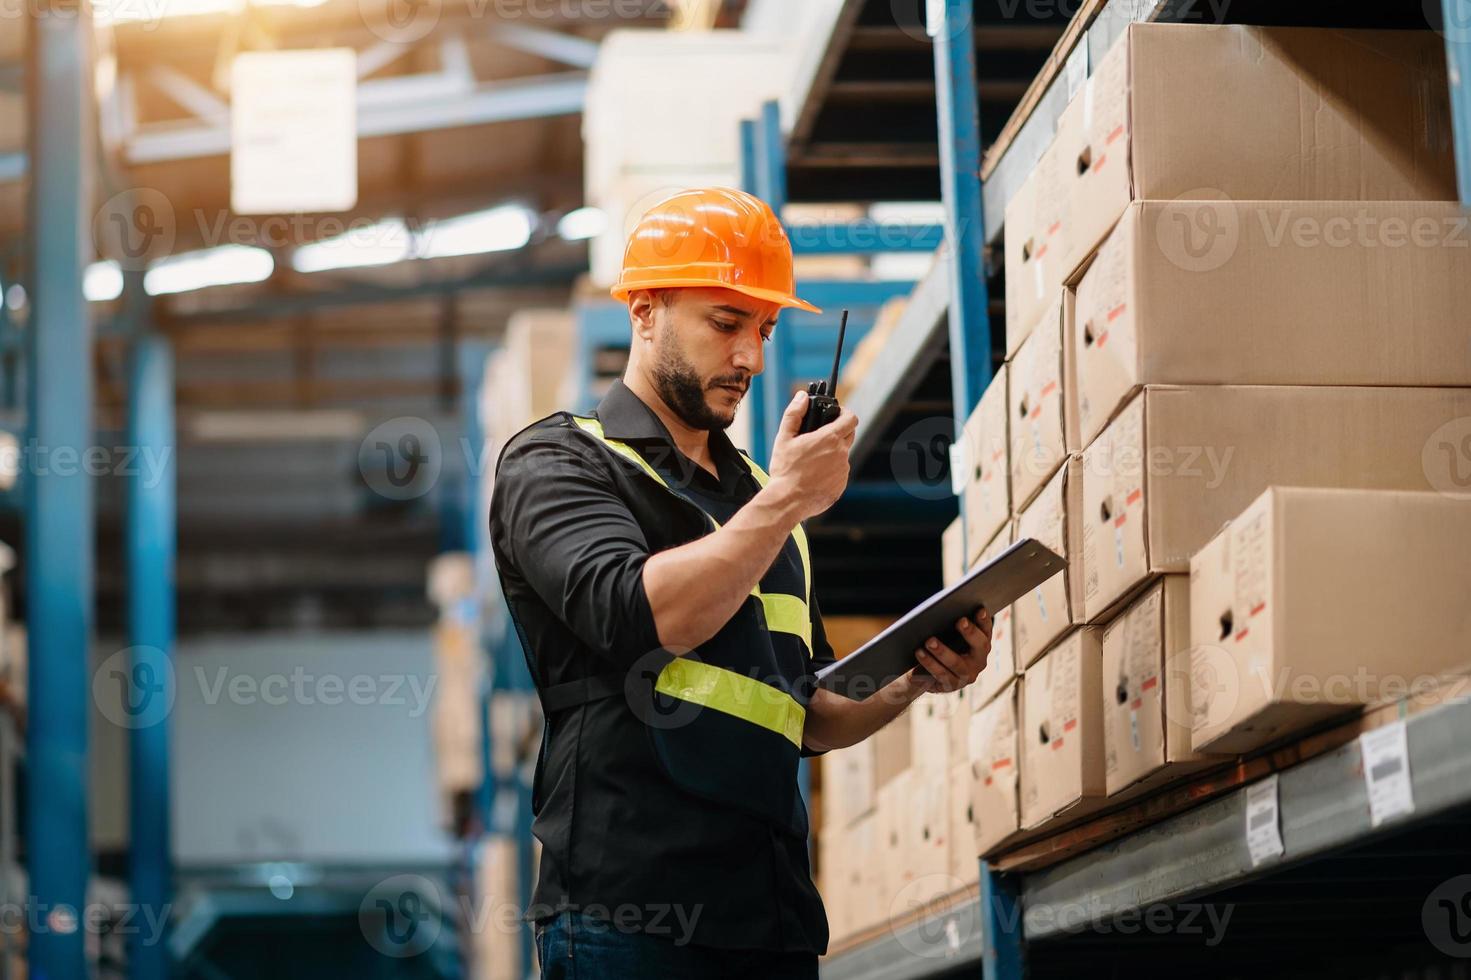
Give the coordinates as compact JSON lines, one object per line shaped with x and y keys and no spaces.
{"x":822,"y":396}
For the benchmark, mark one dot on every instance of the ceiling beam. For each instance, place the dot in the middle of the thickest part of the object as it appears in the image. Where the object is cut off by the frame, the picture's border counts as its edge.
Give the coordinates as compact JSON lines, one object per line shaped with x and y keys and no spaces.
{"x":578,"y":52}
{"x":422,"y":108}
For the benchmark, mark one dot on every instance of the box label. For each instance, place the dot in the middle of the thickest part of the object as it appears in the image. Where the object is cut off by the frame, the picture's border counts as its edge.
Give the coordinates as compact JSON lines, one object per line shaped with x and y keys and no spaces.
{"x":1263,"y":821}
{"x":1387,"y":772}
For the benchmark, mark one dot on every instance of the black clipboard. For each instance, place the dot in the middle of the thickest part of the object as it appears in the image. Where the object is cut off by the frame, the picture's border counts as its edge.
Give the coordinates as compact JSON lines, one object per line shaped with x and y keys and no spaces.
{"x":994,"y":585}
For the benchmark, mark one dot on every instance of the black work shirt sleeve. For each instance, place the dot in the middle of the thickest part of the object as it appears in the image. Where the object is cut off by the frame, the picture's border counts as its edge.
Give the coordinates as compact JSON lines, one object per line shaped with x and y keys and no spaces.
{"x":822,"y":655}
{"x":558,"y":518}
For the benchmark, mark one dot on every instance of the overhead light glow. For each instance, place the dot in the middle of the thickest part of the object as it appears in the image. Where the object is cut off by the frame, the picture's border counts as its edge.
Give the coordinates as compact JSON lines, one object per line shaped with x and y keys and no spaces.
{"x":499,"y":229}
{"x":107,"y":12}
{"x":582,"y":224}
{"x":223,"y":266}
{"x":15,"y":297}
{"x":383,"y":243}
{"x":102,"y":281}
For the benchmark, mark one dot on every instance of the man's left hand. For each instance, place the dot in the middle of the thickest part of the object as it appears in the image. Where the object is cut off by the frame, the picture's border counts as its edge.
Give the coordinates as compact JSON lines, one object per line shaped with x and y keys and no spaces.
{"x":942,"y":669}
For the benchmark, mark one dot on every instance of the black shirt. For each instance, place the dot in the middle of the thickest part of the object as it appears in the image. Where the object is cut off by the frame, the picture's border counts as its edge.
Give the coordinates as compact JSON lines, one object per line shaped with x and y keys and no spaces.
{"x":570,"y":530}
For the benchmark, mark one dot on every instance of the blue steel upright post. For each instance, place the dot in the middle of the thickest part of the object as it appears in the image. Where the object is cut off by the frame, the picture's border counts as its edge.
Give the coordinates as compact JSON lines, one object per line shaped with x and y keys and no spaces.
{"x":767,"y":397}
{"x":151,"y":537}
{"x":59,"y":514}
{"x":970,"y":350}
{"x":1457,"y":31}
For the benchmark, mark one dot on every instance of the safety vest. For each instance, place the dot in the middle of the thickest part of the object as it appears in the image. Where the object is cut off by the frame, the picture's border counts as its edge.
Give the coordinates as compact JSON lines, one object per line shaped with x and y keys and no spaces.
{"x":720,"y":729}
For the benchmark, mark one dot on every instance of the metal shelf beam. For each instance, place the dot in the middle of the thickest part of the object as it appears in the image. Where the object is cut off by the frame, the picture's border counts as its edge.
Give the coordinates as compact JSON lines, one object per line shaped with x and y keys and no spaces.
{"x":1324,"y":807}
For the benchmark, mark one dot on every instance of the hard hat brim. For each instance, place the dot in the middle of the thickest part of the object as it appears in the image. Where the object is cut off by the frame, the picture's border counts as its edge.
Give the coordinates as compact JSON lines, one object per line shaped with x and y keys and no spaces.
{"x":784,"y":300}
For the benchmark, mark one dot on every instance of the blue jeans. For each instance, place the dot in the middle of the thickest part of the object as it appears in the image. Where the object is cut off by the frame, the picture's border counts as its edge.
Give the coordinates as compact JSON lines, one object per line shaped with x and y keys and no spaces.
{"x":578,"y":947}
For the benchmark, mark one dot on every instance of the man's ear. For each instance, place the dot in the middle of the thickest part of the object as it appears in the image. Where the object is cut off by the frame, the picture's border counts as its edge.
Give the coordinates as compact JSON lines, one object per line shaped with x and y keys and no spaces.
{"x":642,"y":306}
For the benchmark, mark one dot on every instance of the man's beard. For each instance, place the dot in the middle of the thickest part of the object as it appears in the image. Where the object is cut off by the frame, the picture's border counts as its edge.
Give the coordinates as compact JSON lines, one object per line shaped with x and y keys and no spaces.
{"x":683,"y":391}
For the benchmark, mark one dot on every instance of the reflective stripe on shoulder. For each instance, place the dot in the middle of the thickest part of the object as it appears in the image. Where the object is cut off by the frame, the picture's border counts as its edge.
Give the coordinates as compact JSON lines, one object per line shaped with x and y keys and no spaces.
{"x":784,"y":613}
{"x":733,"y":694}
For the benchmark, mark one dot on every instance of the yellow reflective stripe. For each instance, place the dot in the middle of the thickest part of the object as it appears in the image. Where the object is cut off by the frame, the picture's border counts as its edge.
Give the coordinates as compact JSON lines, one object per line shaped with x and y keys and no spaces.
{"x":623,"y":449}
{"x":784,"y":613}
{"x":787,"y":614}
{"x":733,"y":694}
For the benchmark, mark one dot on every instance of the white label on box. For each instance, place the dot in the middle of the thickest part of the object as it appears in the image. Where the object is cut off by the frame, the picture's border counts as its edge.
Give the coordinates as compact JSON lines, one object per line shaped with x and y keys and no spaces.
{"x":959,"y":467}
{"x":1263,"y":821}
{"x":1037,"y":276}
{"x":1087,"y":105}
{"x":1386,"y":755}
{"x":1076,"y":69}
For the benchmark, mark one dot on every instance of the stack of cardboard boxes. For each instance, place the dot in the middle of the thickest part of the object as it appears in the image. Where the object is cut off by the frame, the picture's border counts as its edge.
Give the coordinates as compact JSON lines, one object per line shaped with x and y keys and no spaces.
{"x":1247,"y":276}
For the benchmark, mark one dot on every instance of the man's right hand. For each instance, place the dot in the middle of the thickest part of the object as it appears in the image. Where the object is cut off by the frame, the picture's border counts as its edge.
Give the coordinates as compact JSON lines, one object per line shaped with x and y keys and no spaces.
{"x":811,"y":470}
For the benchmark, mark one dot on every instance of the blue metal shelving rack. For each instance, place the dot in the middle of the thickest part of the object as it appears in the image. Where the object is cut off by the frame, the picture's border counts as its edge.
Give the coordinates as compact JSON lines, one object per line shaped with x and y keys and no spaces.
{"x":1322,"y":802}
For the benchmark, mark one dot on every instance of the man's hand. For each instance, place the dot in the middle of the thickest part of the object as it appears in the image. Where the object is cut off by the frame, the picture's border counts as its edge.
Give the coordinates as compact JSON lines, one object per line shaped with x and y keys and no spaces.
{"x":810,"y":470}
{"x":942,"y":669}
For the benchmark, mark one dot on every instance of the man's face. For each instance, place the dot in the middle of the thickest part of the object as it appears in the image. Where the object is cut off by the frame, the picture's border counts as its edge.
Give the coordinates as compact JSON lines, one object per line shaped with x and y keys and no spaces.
{"x":707,"y":345}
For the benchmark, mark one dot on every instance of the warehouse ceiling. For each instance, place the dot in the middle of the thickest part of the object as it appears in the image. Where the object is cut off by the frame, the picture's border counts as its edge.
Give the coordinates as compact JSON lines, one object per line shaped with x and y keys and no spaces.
{"x":474,"y":105}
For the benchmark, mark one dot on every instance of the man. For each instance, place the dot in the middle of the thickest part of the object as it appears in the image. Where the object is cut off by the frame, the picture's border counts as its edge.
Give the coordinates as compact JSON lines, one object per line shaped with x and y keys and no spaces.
{"x":661,"y":585}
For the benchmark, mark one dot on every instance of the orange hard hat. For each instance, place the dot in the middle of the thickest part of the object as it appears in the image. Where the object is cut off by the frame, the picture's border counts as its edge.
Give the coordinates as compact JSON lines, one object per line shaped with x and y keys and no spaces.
{"x":711,"y":236}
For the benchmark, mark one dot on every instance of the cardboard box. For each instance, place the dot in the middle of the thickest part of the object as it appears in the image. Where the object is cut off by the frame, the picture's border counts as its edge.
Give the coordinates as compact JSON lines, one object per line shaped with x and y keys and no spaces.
{"x":1054,"y":518}
{"x":847,"y":784}
{"x":1001,"y":662}
{"x":1035,"y":249}
{"x":1250,"y":113}
{"x":1315,"y":601}
{"x":1044,"y":413}
{"x":986,"y":499}
{"x":994,"y":755}
{"x":891,"y":750}
{"x":965,"y":863}
{"x":929,"y":740}
{"x":896,"y":805}
{"x":1146,"y":691}
{"x":928,"y":841}
{"x":952,"y":553}
{"x":1289,"y":292}
{"x":1211,"y":449}
{"x":1061,"y":731}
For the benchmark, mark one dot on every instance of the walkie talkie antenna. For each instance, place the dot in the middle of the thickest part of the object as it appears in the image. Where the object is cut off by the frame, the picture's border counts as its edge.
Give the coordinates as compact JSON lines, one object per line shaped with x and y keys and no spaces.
{"x":832,"y":387}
